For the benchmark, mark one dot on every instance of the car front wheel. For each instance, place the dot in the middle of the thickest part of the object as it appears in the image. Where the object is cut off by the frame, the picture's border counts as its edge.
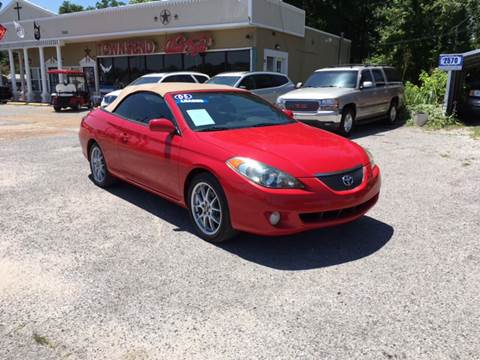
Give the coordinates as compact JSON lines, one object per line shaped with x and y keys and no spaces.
{"x":347,"y":123}
{"x":208,"y":209}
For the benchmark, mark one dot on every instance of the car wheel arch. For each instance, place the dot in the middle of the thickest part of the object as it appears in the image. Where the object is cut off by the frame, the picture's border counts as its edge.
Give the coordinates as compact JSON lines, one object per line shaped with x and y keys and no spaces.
{"x":190,"y":176}
{"x":90,"y":143}
{"x":350,"y":106}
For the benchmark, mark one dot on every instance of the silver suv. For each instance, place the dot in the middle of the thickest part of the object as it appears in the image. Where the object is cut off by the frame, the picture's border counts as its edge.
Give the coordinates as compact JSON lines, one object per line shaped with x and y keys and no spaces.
{"x":268,"y":85}
{"x":340,"y":97}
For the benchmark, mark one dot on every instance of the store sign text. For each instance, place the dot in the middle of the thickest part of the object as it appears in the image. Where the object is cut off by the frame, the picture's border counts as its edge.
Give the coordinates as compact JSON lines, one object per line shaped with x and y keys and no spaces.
{"x":190,"y":46}
{"x":127,"y":47}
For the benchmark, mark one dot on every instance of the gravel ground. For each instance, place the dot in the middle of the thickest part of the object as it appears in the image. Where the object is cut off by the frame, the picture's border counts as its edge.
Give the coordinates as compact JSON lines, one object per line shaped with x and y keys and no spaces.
{"x":92,"y":274}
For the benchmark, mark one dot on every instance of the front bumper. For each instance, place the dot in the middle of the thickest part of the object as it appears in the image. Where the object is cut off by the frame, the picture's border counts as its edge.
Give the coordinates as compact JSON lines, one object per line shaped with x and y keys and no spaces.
{"x":324,"y":118}
{"x":316,"y":206}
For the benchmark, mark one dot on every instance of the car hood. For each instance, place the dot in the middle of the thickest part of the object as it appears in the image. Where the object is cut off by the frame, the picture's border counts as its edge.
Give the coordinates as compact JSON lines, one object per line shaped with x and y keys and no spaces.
{"x":315,"y":93}
{"x":298,"y":149}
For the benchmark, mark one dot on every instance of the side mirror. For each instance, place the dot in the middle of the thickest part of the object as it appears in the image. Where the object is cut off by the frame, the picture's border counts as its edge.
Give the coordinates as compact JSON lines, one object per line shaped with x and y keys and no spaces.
{"x":367,"y":85}
{"x":299,"y":85}
{"x":162,"y":125}
{"x":289,"y":113}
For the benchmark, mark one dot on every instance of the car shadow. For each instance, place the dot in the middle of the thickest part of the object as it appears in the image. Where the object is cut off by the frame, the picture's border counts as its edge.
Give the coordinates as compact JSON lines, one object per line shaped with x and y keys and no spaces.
{"x":309,"y":250}
{"x":374,"y":129}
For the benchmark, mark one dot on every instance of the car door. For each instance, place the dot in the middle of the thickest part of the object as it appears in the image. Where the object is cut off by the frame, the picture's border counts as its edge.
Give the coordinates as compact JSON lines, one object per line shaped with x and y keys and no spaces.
{"x":382,"y":92}
{"x":368,"y":97}
{"x":146,"y":157}
{"x":265,"y":87}
{"x":283,"y":85}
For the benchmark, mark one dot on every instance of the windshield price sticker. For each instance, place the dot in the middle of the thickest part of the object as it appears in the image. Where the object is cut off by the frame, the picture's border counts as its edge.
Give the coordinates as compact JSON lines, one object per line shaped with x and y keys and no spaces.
{"x":200,"y":117}
{"x":450,"y":62}
{"x":188,"y":99}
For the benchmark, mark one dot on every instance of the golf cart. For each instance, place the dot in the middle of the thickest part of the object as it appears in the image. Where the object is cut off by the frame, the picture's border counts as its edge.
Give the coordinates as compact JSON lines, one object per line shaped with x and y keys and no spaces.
{"x":72,"y":93}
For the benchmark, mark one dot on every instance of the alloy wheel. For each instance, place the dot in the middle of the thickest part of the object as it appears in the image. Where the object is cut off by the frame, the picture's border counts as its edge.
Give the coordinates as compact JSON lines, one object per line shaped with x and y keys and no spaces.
{"x":348,"y":123}
{"x":99,"y":171}
{"x":206,"y":208}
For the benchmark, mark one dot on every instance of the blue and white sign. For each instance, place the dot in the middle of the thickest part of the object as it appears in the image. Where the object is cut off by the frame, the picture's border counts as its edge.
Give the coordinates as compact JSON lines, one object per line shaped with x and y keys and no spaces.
{"x":450,"y":62}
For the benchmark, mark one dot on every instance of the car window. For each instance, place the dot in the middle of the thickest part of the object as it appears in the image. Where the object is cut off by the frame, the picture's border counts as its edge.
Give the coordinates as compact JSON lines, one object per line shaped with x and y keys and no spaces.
{"x":392,"y":75}
{"x":333,"y":78}
{"x":279,"y":80}
{"x":248,"y":83}
{"x":217,"y":111}
{"x":265,"y":81}
{"x":178,"y":78}
{"x":143,"y":107}
{"x":146,"y":80}
{"x":200,"y":78}
{"x":378,"y":76}
{"x":366,"y":76}
{"x":224,"y":80}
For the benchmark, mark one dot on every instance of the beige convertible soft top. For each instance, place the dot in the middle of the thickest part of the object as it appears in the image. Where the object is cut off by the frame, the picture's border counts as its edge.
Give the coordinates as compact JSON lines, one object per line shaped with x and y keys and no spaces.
{"x":164,"y":88}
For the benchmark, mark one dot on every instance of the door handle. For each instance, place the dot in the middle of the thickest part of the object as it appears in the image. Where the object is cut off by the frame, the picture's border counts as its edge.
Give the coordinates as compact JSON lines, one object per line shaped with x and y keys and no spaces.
{"x":124,"y":137}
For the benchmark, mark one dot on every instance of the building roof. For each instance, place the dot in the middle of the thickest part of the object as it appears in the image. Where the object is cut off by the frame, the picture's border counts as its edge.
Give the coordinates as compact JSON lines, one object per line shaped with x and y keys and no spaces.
{"x":144,"y":19}
{"x":165,"y":88}
{"x":28,"y":11}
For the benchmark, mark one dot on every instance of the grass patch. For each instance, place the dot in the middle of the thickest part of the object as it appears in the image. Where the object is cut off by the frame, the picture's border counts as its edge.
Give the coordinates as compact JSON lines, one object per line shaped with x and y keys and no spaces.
{"x":42,"y":340}
{"x":476,"y":133}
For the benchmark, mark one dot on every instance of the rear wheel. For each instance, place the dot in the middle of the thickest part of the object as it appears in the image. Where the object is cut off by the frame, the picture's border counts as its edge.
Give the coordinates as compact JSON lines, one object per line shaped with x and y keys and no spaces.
{"x":348,"y":122}
{"x":57,"y":108}
{"x":208,"y":209}
{"x":98,"y":167}
{"x":392,"y":115}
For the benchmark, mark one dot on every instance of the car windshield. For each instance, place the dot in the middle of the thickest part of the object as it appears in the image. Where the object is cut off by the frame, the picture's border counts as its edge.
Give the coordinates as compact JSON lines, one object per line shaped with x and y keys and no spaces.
{"x":217,"y":111}
{"x":224,"y":80}
{"x":146,"y":80}
{"x":338,"y":78}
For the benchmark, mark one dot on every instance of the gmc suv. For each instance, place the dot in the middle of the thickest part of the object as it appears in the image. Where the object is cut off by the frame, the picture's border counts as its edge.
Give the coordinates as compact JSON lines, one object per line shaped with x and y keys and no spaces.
{"x":340,"y":97}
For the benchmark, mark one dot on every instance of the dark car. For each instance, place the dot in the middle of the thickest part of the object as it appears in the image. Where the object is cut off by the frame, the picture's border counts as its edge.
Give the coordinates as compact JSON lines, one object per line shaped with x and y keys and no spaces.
{"x":471,"y":104}
{"x":5,"y":94}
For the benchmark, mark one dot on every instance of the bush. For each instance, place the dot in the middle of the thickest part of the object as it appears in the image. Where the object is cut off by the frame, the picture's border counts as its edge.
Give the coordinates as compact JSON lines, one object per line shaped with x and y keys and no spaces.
{"x":428,"y":98}
{"x":436,"y":116}
{"x":430,"y":91}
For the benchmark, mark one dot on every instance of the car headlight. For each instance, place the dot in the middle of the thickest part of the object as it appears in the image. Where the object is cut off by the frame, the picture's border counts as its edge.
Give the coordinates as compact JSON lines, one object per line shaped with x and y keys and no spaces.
{"x":328,"y":105}
{"x":370,"y":158}
{"x":262,"y":174}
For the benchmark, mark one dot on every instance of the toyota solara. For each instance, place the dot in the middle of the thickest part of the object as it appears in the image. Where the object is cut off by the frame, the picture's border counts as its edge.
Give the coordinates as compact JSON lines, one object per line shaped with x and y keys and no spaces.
{"x":233,"y":160}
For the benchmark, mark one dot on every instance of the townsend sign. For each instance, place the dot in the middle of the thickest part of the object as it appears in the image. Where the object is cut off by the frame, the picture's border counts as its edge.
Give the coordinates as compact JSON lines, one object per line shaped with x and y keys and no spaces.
{"x":126,"y":47}
{"x":190,"y":46}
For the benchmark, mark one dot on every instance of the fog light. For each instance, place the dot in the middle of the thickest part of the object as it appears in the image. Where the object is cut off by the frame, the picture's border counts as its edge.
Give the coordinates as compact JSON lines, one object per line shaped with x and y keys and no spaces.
{"x":275,"y":218}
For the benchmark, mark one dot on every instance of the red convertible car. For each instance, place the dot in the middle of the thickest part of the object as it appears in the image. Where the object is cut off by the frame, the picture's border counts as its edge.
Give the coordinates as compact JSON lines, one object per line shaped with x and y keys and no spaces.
{"x":233,"y":160}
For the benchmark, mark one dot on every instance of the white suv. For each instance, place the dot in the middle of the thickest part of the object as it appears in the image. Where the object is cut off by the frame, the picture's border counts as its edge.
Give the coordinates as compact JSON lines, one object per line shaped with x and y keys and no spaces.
{"x":269,"y":85}
{"x":181,"y":76}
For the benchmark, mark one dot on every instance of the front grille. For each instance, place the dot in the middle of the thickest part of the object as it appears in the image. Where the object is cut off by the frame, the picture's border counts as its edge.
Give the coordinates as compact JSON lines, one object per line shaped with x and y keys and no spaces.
{"x":339,"y":214}
{"x":342,"y":181}
{"x":307,"y":106}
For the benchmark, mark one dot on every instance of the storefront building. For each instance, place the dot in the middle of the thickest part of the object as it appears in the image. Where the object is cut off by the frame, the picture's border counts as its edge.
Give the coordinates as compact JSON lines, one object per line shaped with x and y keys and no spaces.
{"x":116,"y":45}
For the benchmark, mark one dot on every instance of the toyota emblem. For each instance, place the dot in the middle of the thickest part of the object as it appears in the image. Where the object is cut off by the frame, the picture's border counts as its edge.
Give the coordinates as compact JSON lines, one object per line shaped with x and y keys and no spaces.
{"x":347,"y":180}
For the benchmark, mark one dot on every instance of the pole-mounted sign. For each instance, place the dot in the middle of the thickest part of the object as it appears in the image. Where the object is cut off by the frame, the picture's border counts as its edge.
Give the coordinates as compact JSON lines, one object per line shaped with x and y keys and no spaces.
{"x":450,"y":62}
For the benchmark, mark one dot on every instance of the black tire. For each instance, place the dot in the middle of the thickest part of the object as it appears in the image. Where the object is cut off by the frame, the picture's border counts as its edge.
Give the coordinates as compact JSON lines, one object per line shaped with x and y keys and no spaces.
{"x":57,"y":108}
{"x":347,"y":123}
{"x":392,"y":114}
{"x":75,"y":107}
{"x":101,"y":181}
{"x":225,"y":231}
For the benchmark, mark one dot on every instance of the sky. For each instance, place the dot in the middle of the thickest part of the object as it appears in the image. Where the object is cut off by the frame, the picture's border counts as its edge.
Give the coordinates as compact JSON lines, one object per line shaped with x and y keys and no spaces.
{"x":53,"y":5}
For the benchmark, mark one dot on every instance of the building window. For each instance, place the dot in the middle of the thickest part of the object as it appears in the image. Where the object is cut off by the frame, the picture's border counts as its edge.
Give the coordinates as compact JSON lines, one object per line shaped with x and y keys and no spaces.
{"x":154,"y":63}
{"x":116,"y":72}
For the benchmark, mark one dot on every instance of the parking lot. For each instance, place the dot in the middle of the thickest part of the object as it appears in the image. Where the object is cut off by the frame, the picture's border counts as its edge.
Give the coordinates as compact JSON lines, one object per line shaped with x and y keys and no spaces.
{"x":90,"y":274}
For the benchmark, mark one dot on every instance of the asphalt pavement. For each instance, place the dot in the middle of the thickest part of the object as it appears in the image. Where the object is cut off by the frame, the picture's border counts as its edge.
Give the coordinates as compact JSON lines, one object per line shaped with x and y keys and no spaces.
{"x":87,"y":273}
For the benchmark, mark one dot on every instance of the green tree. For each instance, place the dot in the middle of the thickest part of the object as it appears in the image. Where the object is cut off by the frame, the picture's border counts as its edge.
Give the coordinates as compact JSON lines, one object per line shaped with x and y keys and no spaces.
{"x":103,"y":4}
{"x":69,"y":7}
{"x":412,"y":33}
